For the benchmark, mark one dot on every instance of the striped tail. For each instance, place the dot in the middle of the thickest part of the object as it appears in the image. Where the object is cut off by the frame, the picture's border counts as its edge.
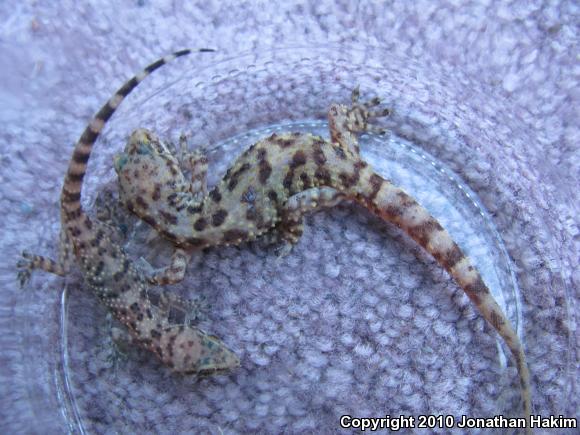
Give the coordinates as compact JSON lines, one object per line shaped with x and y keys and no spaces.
{"x":71,"y":191}
{"x":394,"y":205}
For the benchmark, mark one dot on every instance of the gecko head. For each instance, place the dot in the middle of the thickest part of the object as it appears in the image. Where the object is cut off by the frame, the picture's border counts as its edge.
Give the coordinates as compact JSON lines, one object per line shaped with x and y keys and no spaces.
{"x":148,"y":175}
{"x":192,"y":351}
{"x":141,"y":143}
{"x":218,"y":359}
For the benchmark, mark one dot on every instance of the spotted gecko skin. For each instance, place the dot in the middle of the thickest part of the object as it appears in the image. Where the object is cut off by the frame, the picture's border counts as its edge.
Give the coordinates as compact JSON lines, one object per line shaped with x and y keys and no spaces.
{"x":111,"y":274}
{"x":272,"y":185}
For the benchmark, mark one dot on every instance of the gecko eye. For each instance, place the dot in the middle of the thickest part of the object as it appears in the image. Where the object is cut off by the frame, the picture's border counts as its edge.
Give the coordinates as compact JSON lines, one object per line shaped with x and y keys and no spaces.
{"x":144,"y":148}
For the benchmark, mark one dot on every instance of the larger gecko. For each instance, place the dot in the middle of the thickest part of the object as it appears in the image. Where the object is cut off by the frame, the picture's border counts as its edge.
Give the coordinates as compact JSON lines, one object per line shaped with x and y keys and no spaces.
{"x":111,"y":274}
{"x":272,"y":185}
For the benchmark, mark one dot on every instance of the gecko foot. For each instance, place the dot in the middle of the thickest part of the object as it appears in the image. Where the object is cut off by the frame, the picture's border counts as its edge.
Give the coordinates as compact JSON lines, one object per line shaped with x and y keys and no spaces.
{"x":359,"y":114}
{"x":182,"y":311}
{"x":122,"y":344}
{"x":25,"y":266}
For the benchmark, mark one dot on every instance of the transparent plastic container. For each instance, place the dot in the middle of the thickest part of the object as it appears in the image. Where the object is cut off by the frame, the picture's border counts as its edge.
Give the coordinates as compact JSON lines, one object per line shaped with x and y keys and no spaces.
{"x":346,"y":344}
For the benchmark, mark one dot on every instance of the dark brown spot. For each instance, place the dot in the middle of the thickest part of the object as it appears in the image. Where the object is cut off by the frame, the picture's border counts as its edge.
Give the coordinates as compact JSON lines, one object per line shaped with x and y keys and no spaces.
{"x":99,"y":268}
{"x":348,"y":180}
{"x":284,"y":143}
{"x":450,"y":258}
{"x":168,"y":217}
{"x":200,"y":224}
{"x":156,"y":195}
{"x":191,"y":209}
{"x":195,"y":241}
{"x":81,"y":157}
{"x":134,"y":307}
{"x":496,"y":320}
{"x":152,"y":67}
{"x":273,"y":196}
{"x":376,"y":182}
{"x":171,"y":167}
{"x":219,"y":217}
{"x":261,"y":154}
{"x":298,"y":159}
{"x":232,"y":184}
{"x":406,"y":200}
{"x":105,"y":112}
{"x":71,"y":197}
{"x":287,"y":183}
{"x":305,"y":180}
{"x":234,"y":235}
{"x":141,"y":202}
{"x":171,"y":198}
{"x":242,"y":169}
{"x":422,"y":233}
{"x":150,"y":220}
{"x":264,"y":171}
{"x":215,"y":194}
{"x":478,"y":287}
{"x":234,"y":176}
{"x":318,"y":154}
{"x":73,"y":215}
{"x":75,"y":178}
{"x":323,"y":176}
{"x":167,"y":234}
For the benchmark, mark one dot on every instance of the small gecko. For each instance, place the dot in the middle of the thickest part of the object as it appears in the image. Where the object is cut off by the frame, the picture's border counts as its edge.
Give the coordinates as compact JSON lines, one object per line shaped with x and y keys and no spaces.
{"x":111,"y":274}
{"x":268,"y":190}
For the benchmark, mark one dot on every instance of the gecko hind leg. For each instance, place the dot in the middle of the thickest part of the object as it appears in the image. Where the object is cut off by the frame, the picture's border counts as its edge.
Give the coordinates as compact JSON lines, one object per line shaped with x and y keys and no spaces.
{"x":344,"y":122}
{"x":178,"y":310}
{"x":290,"y":229}
{"x":174,"y":272}
{"x":123,"y":344}
{"x":29,"y":262}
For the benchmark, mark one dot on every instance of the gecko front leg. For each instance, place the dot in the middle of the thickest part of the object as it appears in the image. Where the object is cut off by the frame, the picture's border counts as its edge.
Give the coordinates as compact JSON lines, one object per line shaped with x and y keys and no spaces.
{"x":196,"y":162}
{"x":153,"y":167}
{"x":291,"y":226}
{"x":175,"y":271}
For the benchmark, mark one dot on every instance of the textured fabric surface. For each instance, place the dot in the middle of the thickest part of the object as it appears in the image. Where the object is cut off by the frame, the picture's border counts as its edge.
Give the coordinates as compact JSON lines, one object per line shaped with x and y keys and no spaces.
{"x":356,"y":320}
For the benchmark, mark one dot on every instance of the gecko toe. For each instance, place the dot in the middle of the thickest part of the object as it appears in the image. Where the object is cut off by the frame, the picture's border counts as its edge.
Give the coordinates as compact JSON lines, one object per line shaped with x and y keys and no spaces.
{"x":372,"y":103}
{"x":23,"y":277}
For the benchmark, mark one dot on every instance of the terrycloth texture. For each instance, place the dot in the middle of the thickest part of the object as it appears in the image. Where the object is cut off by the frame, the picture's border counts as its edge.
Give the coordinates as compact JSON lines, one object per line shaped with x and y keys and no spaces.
{"x":356,"y":320}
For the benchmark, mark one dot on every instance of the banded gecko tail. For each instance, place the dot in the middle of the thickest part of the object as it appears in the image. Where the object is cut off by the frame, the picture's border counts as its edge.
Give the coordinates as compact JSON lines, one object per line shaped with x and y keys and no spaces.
{"x":72,"y":213}
{"x":394,"y":205}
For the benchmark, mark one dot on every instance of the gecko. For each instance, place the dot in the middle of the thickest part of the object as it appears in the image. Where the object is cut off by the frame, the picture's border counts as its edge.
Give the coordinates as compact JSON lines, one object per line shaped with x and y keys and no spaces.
{"x":112,"y":276}
{"x":272,"y":185}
